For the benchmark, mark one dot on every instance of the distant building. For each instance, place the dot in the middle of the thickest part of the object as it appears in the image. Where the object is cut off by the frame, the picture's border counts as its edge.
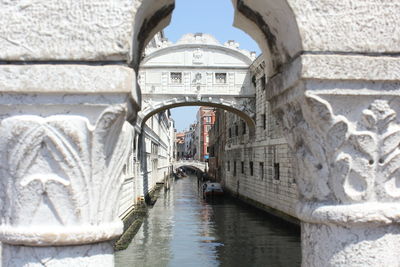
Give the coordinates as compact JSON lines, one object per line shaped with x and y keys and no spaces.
{"x":180,"y":146}
{"x":205,"y":120}
{"x":217,"y":140}
{"x":190,"y":149}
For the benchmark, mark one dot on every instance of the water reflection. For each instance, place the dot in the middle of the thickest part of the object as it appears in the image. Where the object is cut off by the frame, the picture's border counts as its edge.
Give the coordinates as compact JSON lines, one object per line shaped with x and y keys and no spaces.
{"x":184,"y":230}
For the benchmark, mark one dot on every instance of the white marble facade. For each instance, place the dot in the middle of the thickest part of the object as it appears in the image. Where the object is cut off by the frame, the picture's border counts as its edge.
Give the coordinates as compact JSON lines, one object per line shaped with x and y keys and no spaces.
{"x":197,"y":70}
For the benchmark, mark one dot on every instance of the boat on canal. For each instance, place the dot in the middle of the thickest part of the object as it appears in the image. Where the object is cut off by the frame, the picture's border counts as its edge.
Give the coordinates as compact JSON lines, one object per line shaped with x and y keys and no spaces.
{"x":211,"y":189}
{"x":180,"y":173}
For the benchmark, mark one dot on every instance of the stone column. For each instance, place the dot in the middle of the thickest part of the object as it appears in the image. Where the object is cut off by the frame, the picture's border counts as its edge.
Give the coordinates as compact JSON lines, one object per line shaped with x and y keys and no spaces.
{"x":63,"y":147}
{"x":341,"y":117}
{"x":67,"y":87}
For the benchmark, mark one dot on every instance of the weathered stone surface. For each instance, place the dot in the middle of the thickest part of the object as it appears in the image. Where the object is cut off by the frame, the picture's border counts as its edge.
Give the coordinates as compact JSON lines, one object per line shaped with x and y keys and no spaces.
{"x":100,"y":254}
{"x":66,"y":30}
{"x":76,"y":79}
{"x":72,"y":205}
{"x":350,"y":67}
{"x":284,"y":29}
{"x":348,"y":25}
{"x":331,"y":245}
{"x":344,"y":129}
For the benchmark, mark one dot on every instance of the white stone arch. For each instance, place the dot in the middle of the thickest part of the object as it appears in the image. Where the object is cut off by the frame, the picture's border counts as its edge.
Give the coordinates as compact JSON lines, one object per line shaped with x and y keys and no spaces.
{"x":272,"y":24}
{"x":319,"y":54}
{"x":191,"y":163}
{"x":237,"y":107}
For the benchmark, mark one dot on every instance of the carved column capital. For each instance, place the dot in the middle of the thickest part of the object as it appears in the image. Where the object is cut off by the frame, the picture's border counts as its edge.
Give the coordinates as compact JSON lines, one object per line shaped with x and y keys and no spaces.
{"x":60,"y":177}
{"x":344,"y":130}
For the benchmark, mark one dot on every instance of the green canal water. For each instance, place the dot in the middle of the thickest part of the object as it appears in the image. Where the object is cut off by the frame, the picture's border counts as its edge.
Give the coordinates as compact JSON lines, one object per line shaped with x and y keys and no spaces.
{"x":182,"y":229}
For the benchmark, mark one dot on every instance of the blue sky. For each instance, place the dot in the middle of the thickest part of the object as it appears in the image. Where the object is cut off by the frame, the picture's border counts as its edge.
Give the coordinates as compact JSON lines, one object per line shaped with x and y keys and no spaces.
{"x":206,"y":16}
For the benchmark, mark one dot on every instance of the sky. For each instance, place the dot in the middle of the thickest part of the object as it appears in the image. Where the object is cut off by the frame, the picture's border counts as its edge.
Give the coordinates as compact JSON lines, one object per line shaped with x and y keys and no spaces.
{"x":214,"y":17}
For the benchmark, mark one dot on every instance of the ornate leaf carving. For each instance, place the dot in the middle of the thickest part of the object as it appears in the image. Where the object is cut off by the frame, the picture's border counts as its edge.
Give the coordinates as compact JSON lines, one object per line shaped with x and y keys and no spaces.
{"x":364,"y":142}
{"x":336,"y":135}
{"x":359,"y":159}
{"x":61,"y":168}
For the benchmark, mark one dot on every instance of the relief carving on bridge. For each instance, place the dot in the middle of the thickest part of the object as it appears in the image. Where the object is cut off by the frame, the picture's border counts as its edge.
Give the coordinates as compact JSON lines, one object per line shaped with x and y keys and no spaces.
{"x":60,"y":177}
{"x":341,"y":161}
{"x":198,"y":58}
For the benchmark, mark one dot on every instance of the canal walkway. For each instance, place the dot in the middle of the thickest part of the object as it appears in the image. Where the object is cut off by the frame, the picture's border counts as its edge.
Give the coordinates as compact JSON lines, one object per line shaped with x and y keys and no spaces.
{"x":184,"y":230}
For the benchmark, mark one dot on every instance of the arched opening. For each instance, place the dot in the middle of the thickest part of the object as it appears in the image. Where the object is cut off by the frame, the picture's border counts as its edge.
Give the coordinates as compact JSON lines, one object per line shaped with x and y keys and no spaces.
{"x":273,"y":26}
{"x":265,"y":162}
{"x":150,"y":111}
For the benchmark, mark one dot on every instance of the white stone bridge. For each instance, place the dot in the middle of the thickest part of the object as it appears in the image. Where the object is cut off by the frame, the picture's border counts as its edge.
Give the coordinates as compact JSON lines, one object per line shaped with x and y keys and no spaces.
{"x":191,"y":163}
{"x":197,"y":71}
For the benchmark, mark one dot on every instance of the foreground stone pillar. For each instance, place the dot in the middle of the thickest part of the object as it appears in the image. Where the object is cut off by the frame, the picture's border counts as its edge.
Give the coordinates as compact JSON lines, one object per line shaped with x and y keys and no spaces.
{"x":342,"y":122}
{"x":63,"y":144}
{"x":67,"y":87}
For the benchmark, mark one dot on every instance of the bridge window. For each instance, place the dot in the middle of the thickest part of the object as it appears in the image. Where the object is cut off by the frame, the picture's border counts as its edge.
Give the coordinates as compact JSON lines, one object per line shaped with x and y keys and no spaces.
{"x":251,"y":168}
{"x":176,"y":77}
{"x":220,"y":77}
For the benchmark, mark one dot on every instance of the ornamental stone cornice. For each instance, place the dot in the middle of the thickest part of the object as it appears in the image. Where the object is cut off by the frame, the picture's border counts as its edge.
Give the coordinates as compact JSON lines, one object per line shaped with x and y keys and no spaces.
{"x":336,"y":69}
{"x":68,"y":78}
{"x":204,"y":41}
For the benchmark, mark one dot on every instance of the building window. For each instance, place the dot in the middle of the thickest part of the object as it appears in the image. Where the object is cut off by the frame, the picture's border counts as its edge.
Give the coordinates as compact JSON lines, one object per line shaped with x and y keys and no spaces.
{"x":243,"y":127}
{"x":263,"y":82}
{"x":264,"y":121}
{"x":229,"y":166}
{"x":234,"y":168}
{"x":220,"y":77}
{"x":230,"y":133}
{"x":253,"y":80}
{"x":207,"y":119}
{"x":237,"y":130}
{"x":276,"y":171}
{"x":242,"y":166}
{"x":176,"y":77}
{"x":262,"y":170}
{"x":251,"y":168}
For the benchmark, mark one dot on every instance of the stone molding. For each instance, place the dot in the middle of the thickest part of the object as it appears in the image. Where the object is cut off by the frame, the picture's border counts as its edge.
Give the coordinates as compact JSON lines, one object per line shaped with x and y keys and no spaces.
{"x":49,"y":78}
{"x":352,"y":214}
{"x":59,"y":235}
{"x":335,"y":68}
{"x":350,"y":67}
{"x":62,"y":173}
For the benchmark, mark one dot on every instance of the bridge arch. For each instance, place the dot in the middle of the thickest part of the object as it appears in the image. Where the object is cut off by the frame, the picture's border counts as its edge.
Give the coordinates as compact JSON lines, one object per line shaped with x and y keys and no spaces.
{"x":238,"y":107}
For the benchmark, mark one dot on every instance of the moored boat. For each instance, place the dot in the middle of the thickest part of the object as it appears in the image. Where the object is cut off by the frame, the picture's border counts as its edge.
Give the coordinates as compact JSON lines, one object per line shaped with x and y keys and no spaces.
{"x":212,"y":189}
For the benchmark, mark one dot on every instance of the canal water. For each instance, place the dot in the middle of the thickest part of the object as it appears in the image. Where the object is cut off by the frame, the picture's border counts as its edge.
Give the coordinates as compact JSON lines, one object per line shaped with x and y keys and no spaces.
{"x":182,"y":229}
